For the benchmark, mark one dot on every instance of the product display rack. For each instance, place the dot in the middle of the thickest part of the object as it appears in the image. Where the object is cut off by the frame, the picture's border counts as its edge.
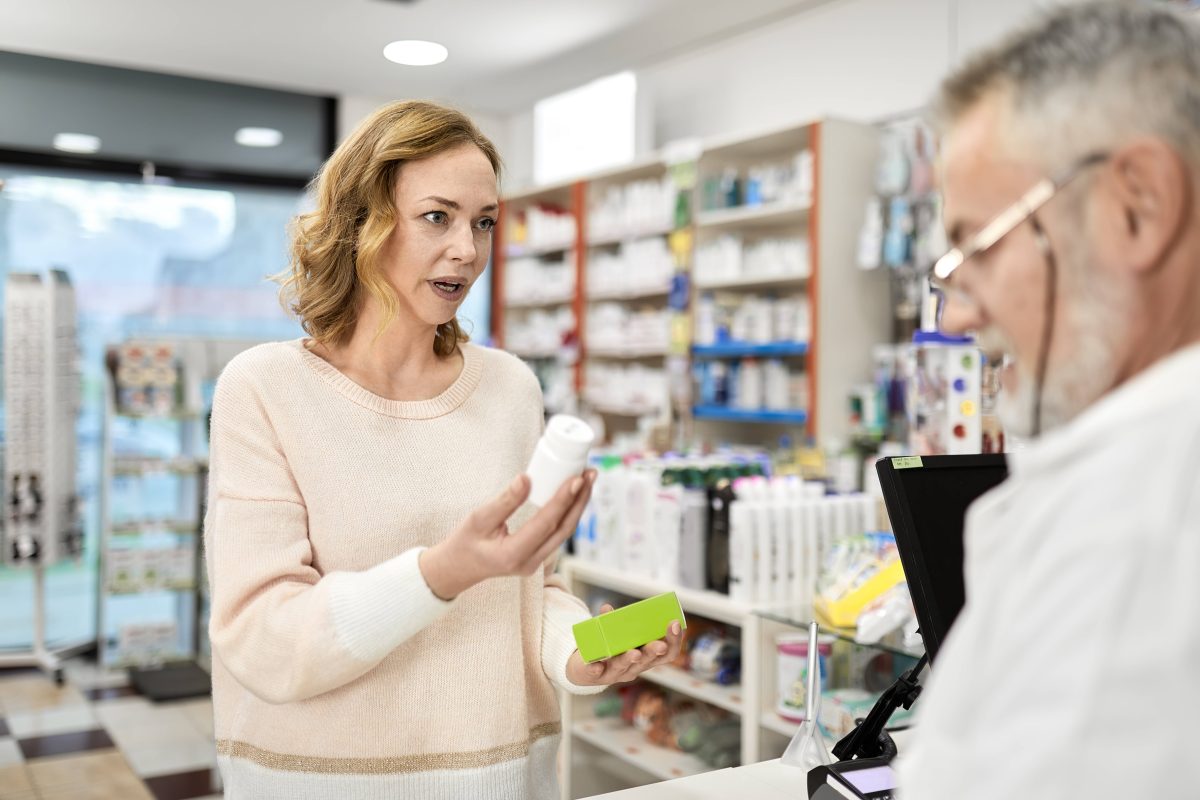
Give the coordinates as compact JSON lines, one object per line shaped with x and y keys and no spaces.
{"x":627,"y":745}
{"x":849,"y":308}
{"x":610,"y":240}
{"x":170,"y":470}
{"x":546,"y":359}
{"x":605,"y":754}
{"x":176,"y":671}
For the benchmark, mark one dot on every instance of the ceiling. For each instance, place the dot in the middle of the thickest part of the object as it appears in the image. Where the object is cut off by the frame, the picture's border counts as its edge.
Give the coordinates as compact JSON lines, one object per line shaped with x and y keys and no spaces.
{"x":504,"y":54}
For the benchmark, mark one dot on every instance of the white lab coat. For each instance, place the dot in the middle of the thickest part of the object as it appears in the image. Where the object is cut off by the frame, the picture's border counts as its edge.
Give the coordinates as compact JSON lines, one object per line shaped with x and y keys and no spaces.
{"x":1073,"y":670}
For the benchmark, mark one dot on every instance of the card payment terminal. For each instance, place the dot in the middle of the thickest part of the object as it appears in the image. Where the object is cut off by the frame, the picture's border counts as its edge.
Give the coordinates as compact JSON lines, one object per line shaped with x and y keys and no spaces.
{"x":861,"y":779}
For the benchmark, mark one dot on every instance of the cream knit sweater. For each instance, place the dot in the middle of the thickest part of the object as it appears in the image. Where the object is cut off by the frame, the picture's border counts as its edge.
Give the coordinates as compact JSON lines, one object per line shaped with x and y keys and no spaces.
{"x":337,"y":673}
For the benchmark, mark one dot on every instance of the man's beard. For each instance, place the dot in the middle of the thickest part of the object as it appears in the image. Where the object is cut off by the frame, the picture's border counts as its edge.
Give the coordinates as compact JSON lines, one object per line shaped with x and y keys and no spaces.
{"x":1082,"y":366}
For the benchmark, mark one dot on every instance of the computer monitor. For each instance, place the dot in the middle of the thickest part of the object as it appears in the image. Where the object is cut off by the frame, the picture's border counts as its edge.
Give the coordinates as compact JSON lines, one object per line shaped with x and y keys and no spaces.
{"x":927,"y":499}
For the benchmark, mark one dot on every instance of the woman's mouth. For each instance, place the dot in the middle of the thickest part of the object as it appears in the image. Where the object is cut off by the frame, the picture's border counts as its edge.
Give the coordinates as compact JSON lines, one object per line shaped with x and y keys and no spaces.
{"x":449,"y":289}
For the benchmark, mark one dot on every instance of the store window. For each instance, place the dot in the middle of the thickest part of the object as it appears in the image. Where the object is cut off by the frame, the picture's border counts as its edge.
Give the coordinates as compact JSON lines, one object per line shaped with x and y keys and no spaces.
{"x":145,"y":260}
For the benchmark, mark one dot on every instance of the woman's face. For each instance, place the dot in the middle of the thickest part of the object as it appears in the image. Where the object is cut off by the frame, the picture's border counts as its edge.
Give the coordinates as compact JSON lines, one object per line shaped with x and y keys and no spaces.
{"x":446,"y":207}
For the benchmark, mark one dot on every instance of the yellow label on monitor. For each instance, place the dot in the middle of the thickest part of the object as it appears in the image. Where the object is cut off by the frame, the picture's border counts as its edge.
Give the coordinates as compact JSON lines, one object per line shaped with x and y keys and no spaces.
{"x":907,"y":462}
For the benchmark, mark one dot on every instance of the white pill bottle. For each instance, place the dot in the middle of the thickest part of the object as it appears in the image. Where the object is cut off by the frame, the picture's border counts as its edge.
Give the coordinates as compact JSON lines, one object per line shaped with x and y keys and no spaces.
{"x":561,"y":454}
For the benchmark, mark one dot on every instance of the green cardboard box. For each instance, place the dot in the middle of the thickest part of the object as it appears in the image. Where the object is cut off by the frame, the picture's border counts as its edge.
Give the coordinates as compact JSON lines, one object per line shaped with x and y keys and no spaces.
{"x":625,"y":628}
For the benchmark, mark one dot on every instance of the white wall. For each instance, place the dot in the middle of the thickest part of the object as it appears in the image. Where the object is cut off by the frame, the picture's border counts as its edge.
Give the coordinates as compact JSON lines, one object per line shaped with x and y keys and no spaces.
{"x":353,"y":109}
{"x":858,"y":59}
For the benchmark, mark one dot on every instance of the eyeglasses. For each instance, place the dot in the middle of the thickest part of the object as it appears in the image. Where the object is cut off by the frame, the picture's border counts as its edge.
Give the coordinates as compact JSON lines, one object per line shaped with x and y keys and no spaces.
{"x":1003,"y":224}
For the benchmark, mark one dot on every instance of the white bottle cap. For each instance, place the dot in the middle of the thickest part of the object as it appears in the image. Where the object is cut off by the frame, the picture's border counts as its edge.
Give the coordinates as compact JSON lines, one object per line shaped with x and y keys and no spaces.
{"x":568,"y":437}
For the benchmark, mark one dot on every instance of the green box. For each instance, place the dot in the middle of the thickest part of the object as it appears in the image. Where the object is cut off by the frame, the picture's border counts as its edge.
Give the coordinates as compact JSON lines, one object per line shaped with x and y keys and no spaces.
{"x":625,"y":628}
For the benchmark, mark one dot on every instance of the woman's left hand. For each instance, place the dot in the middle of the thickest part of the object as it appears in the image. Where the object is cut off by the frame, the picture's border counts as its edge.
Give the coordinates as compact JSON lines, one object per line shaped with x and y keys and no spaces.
{"x":628,"y":665}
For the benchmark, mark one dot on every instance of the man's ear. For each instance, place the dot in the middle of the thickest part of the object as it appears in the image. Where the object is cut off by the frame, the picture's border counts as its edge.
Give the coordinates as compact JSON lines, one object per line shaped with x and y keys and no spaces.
{"x":1147,"y":194}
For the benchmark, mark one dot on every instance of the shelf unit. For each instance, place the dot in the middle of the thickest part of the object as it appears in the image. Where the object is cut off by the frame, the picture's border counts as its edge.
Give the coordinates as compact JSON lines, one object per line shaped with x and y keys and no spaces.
{"x":849,"y":308}
{"x":727,"y":414}
{"x":625,"y":742}
{"x":569,"y":197}
{"x":629,"y":745}
{"x":762,"y":215}
{"x":741,"y":349}
{"x":765,"y":734}
{"x":183,"y":595}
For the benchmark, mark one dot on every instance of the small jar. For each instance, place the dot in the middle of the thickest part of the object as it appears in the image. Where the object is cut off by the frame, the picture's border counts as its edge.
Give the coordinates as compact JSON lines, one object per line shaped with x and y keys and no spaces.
{"x":561,"y":454}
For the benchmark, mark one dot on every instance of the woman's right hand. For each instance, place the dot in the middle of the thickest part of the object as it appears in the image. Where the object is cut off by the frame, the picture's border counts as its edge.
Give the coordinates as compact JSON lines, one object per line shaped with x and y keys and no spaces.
{"x":483,"y":548}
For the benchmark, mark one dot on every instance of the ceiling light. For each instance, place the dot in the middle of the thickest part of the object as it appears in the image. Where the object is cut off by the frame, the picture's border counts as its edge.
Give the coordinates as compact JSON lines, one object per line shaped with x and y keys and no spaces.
{"x":76,"y":142}
{"x":415,"y":53}
{"x":258,"y":137}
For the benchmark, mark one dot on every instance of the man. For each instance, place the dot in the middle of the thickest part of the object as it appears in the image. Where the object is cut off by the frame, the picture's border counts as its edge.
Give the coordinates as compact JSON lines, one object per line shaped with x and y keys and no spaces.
{"x":1071,"y":173}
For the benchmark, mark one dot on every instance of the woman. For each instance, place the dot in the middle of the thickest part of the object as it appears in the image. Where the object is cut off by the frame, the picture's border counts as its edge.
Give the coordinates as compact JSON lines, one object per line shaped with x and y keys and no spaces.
{"x":376,"y":629}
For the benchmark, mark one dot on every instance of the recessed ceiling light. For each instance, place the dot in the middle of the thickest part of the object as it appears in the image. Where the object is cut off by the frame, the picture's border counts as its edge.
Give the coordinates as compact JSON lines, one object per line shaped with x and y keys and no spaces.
{"x":76,"y":142}
{"x":258,"y":137}
{"x":415,"y":53}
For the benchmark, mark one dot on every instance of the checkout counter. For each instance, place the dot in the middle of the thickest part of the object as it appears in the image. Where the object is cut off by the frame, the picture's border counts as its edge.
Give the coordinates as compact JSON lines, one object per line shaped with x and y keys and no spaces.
{"x":929,"y":539}
{"x":768,"y":780}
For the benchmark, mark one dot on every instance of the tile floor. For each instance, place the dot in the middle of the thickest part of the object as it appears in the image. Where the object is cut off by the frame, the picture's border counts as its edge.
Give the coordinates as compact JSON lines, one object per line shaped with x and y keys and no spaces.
{"x":96,"y":739}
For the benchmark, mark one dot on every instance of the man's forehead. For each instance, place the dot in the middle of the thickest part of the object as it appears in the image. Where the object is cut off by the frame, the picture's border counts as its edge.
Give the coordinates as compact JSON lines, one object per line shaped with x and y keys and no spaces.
{"x":972,"y":145}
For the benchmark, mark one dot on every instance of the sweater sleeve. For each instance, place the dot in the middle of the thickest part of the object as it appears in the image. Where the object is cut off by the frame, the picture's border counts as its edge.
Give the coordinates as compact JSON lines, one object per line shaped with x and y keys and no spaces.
{"x":560,"y":612}
{"x":283,"y":629}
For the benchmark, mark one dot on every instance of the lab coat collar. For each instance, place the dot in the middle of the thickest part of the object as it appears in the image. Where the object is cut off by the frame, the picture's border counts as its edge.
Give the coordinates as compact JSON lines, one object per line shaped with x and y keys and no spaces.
{"x":1172,"y":380}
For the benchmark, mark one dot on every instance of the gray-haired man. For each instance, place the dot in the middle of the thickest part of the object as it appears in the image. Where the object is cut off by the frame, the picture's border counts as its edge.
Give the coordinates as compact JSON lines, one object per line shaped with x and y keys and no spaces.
{"x":1071,"y":178}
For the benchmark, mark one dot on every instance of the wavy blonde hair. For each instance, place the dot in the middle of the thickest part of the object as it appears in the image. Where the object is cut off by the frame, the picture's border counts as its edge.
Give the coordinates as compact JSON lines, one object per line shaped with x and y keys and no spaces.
{"x":335,"y":249}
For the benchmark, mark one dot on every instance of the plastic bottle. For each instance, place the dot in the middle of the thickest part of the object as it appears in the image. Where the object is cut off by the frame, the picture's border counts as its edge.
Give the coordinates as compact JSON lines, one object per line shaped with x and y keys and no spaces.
{"x":560,"y":454}
{"x":693,"y":539}
{"x":741,"y":545}
{"x":720,"y":494}
{"x":608,"y":496}
{"x":668,"y":527}
{"x":637,"y":541}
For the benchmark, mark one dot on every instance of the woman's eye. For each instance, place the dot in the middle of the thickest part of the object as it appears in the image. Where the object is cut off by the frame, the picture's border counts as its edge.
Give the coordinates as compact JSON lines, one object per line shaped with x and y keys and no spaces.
{"x":486,"y":224}
{"x":437,"y":217}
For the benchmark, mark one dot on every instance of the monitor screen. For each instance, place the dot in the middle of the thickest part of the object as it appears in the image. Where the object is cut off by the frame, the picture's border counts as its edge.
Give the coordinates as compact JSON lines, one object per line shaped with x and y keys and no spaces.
{"x":872,"y":779}
{"x":927,"y":501}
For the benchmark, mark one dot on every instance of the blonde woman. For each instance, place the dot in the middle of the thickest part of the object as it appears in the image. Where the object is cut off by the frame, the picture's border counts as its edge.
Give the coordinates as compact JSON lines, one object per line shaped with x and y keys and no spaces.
{"x":378,"y":629}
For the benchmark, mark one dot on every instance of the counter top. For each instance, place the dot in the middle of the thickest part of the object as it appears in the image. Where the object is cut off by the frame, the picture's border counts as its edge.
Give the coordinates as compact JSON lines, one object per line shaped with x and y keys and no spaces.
{"x":769,"y":780}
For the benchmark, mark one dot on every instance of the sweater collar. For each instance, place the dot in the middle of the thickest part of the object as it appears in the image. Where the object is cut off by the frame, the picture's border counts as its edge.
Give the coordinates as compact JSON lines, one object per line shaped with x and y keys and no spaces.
{"x":450,"y":399}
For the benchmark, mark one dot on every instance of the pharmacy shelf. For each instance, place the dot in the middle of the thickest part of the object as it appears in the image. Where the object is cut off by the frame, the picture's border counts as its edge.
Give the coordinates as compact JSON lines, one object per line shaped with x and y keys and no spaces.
{"x":711,"y":605}
{"x":623,"y":410}
{"x":754,"y":282}
{"x":140,"y":527}
{"x":767,"y":214}
{"x":141,"y":465}
{"x":176,"y":415}
{"x":629,"y":744}
{"x":773,"y":722}
{"x":133,"y":589}
{"x":543,"y":302}
{"x":627,"y":352}
{"x":533,"y":355}
{"x":631,"y":235}
{"x":725,"y":414}
{"x":677,"y":680}
{"x":545,"y":249}
{"x":747,"y":349}
{"x":631,"y":294}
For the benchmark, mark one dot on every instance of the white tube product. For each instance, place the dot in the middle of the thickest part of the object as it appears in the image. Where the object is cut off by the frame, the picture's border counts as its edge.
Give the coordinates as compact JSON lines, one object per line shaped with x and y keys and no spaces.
{"x":781,"y":534}
{"x":796,"y":506}
{"x":560,"y":454}
{"x":637,"y":548}
{"x":811,"y":543}
{"x":668,"y":531}
{"x":741,"y":546}
{"x":764,"y":539}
